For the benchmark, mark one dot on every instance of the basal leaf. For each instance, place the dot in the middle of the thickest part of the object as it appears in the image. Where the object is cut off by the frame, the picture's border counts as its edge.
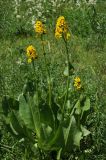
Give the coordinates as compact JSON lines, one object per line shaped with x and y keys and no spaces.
{"x":57,"y":140}
{"x":26,"y":113}
{"x":36,"y":115}
{"x":77,"y":137}
{"x":14,"y":123}
{"x":72,"y":134}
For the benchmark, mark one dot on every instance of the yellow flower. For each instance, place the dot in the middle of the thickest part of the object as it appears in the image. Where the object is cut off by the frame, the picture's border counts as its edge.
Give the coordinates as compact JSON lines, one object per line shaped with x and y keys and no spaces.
{"x":62,"y":28}
{"x":58,"y":33}
{"x":61,"y":21}
{"x":39,"y":28}
{"x":77,"y":83}
{"x":31,"y":53}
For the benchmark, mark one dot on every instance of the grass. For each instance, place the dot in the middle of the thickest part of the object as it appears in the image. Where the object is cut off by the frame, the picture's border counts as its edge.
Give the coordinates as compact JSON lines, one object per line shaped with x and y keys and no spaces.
{"x":89,"y":64}
{"x":87,"y":54}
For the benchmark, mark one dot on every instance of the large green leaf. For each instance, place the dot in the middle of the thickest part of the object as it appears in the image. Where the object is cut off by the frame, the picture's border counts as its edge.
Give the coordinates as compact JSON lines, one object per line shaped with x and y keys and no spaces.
{"x":34,"y":105}
{"x":43,"y":120}
{"x":37,"y":117}
{"x":15,"y":125}
{"x":48,"y":128}
{"x":72,"y":134}
{"x":26,"y":113}
{"x":77,"y":137}
{"x":19,"y":128}
{"x":46,"y":121}
{"x":57,"y":140}
{"x":46,"y":115}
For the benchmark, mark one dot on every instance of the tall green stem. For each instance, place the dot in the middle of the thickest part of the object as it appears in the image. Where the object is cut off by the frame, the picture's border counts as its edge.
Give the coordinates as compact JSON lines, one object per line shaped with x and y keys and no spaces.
{"x":48,"y":73}
{"x":48,"y":80}
{"x":34,"y":69}
{"x":68,"y":66}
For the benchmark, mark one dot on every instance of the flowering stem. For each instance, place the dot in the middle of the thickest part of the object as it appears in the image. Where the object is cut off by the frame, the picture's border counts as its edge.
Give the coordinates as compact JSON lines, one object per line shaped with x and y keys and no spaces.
{"x":48,"y":73}
{"x":48,"y":81}
{"x":68,"y":65}
{"x":68,"y":62}
{"x":33,"y":64}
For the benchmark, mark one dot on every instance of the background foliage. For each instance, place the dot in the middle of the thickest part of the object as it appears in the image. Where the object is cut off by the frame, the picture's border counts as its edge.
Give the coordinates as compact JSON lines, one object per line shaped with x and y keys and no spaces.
{"x":87,"y":21}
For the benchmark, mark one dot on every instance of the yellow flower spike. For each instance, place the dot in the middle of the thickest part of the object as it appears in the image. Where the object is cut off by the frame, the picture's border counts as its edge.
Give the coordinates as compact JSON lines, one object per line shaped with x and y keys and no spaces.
{"x":58,"y":35}
{"x":77,"y":79}
{"x":60,"y":21}
{"x":62,"y":28}
{"x":39,"y":28}
{"x":77,"y":83}
{"x":31,"y":53}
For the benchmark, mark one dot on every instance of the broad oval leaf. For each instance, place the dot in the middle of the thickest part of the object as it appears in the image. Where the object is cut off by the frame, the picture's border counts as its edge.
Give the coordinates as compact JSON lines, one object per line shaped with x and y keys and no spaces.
{"x":25,"y":113}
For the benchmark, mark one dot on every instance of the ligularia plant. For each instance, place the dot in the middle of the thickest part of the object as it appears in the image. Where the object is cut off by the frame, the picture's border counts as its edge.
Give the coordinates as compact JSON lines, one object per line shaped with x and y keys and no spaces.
{"x":56,"y":122}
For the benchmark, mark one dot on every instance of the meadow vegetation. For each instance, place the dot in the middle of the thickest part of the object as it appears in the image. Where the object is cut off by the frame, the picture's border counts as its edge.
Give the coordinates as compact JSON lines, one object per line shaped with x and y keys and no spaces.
{"x":53,"y":80}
